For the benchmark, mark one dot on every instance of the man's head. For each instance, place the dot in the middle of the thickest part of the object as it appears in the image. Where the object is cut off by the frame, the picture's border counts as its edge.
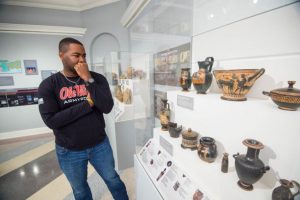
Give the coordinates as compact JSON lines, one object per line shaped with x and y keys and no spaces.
{"x":71,"y":52}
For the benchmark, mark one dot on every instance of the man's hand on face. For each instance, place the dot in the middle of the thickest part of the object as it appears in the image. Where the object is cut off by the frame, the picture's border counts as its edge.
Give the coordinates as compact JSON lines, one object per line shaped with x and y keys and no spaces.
{"x":83,"y":71}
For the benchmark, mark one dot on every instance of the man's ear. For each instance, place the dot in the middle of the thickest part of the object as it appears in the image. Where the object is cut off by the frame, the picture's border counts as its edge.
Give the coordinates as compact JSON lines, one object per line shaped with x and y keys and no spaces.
{"x":61,"y":55}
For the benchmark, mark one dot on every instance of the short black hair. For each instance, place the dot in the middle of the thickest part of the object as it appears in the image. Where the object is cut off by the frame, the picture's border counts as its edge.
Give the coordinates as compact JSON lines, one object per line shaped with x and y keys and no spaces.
{"x":64,"y":44}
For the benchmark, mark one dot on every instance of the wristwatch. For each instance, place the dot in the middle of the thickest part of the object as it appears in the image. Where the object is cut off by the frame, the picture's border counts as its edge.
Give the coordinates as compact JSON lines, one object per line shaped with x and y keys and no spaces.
{"x":90,"y":81}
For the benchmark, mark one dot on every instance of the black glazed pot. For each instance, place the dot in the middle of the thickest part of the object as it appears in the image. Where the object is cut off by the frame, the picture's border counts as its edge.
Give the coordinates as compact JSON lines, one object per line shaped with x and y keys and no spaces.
{"x":207,"y":149}
{"x":283,"y":192}
{"x":174,"y":130}
{"x":249,"y":167}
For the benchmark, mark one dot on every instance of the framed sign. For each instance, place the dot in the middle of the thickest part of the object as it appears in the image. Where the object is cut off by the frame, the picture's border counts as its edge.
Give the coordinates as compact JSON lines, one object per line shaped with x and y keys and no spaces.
{"x":168,"y":64}
{"x":10,"y":67}
{"x":30,"y":67}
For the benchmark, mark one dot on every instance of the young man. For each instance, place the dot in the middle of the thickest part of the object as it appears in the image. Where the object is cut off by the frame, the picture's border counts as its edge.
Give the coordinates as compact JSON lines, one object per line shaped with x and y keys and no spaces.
{"x":72,"y":103}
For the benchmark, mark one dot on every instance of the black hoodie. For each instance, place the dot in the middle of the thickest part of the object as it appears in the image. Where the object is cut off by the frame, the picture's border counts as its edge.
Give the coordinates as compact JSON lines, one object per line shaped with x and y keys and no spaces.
{"x":64,"y":108}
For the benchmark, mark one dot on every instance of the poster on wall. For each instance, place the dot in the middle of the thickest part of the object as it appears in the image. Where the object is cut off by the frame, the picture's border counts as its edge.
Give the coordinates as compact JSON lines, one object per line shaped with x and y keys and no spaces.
{"x":46,"y":73}
{"x":10,"y":67}
{"x":6,"y":80}
{"x":168,"y":64}
{"x":30,"y":67}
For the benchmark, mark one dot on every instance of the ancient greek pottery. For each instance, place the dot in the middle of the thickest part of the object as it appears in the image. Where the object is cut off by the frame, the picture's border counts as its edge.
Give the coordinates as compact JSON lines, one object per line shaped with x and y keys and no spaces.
{"x":224,"y":165}
{"x":164,"y":114}
{"x":249,"y":167}
{"x":127,"y":96}
{"x":198,"y":195}
{"x":185,"y":79}
{"x":129,"y":72}
{"x":207,"y":149}
{"x":203,"y":77}
{"x":235,"y":84}
{"x":286,"y":98}
{"x":176,"y":185}
{"x":174,"y":130}
{"x":139,"y":74}
{"x":119,"y":93}
{"x":284,"y":191}
{"x":189,"y":139}
{"x":114,"y":79}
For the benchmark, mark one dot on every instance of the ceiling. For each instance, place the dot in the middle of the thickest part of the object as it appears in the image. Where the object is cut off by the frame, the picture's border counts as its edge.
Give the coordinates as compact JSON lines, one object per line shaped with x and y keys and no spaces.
{"x":74,"y":5}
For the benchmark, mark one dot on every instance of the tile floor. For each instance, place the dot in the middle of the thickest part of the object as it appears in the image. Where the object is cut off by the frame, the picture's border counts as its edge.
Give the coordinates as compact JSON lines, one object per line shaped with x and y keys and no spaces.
{"x":29,"y":170}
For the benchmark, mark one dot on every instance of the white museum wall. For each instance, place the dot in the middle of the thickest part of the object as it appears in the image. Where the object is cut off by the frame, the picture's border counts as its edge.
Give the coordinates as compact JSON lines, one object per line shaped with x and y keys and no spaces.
{"x":26,"y":120}
{"x":39,"y":16}
{"x":44,"y":49}
{"x":105,"y":19}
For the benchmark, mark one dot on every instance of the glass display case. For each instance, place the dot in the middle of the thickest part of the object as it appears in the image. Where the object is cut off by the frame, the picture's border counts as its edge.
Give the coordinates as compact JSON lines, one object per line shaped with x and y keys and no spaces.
{"x":239,"y":36}
{"x":167,"y":44}
{"x":128,"y":77}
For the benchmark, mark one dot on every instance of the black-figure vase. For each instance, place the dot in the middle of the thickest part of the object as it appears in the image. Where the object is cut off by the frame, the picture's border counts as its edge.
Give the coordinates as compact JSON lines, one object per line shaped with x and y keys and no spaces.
{"x":203,"y":77}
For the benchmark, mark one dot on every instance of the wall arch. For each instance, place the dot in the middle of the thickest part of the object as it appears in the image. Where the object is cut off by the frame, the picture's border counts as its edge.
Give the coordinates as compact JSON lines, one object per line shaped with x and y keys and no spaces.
{"x":102,"y":45}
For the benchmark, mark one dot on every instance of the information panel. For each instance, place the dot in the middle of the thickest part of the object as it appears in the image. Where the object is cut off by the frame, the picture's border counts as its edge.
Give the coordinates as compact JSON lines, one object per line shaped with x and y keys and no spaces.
{"x":171,"y":181}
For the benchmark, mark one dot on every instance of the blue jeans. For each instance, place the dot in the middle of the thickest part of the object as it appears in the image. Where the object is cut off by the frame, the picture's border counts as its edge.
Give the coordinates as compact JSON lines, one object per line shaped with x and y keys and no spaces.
{"x":74,"y":165}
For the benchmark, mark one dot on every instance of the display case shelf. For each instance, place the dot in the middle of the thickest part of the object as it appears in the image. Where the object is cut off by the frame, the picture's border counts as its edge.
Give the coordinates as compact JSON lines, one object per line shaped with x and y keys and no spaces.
{"x":229,"y":123}
{"x":216,"y":184}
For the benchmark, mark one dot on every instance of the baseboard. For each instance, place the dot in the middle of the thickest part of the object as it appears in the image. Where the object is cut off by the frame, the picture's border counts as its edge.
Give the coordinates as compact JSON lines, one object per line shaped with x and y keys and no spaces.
{"x":24,"y":133}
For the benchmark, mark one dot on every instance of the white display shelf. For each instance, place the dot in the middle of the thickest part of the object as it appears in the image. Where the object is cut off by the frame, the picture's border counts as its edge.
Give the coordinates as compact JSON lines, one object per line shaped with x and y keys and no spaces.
{"x":208,"y":176}
{"x":229,"y":123}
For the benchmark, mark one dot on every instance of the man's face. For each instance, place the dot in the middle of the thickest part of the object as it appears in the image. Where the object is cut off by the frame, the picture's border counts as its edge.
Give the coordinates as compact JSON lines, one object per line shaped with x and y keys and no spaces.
{"x":73,"y":55}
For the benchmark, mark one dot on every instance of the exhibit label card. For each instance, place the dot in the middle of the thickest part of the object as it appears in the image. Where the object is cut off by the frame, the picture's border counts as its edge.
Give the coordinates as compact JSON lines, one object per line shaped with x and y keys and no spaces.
{"x":166,"y":145}
{"x":177,"y":185}
{"x":185,"y":102}
{"x":155,"y":160}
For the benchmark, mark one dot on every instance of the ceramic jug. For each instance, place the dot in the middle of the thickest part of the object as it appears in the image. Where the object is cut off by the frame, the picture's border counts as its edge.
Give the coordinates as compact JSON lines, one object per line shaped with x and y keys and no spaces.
{"x":286,"y":191}
{"x":203,"y":77}
{"x":249,"y":167}
{"x":207,"y":149}
{"x":164,"y":114}
{"x":119,"y":93}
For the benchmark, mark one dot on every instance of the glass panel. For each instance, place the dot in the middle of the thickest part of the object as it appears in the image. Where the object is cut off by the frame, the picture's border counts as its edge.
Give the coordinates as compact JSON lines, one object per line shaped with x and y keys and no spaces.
{"x":210,"y":15}
{"x":158,"y":33}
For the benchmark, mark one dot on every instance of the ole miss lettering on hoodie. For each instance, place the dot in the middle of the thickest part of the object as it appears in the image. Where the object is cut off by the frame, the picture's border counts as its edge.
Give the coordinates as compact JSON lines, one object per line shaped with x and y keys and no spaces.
{"x":64,"y":108}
